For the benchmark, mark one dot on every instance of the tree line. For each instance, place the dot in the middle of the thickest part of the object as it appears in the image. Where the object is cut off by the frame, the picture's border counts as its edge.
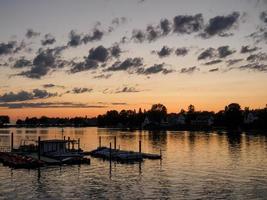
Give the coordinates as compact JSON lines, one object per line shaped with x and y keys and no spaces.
{"x":157,"y":117}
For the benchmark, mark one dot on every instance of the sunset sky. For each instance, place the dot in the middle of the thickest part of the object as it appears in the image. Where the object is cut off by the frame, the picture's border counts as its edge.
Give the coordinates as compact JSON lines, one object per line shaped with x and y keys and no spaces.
{"x":76,"y":58}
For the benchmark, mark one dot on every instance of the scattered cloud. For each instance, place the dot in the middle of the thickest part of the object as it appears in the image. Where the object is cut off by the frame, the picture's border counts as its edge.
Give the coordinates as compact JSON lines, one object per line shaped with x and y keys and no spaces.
{"x":257,"y":57}
{"x":127,"y":90}
{"x":31,"y":33}
{"x":7,"y":48}
{"x":103,"y":76}
{"x":248,"y":49}
{"x":51,"y":85}
{"x":254,"y":67}
{"x":127,"y":64}
{"x":213,"y":62}
{"x":214,"y":70}
{"x":186,"y":24}
{"x":22,"y":62}
{"x":220,"y":24}
{"x":49,"y":105}
{"x":48,"y":39}
{"x":208,"y":53}
{"x":25,"y":96}
{"x":224,"y":51}
{"x":189,"y":70}
{"x":181,"y":51}
{"x":233,"y":61}
{"x":164,"y":52}
{"x":77,"y":90}
{"x":156,"y":68}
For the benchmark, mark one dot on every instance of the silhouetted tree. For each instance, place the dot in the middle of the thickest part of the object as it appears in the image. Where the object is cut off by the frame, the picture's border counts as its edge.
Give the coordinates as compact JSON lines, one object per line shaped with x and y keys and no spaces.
{"x":233,"y":115}
{"x":157,"y":113}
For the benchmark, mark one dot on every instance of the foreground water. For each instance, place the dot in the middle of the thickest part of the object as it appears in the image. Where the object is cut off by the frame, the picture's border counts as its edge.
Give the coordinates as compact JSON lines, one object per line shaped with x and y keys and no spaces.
{"x":195,"y":165}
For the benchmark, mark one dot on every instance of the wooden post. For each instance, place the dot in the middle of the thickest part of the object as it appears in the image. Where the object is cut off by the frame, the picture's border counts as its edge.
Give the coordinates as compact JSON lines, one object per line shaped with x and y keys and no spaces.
{"x":115,"y":142}
{"x":110,"y":152}
{"x":64,"y":138}
{"x":160,"y":153}
{"x":68,"y":143}
{"x":39,"y":148}
{"x":140,"y":146}
{"x":72,"y":144}
{"x":12,"y":142}
{"x":78,"y":143}
{"x":99,"y":141}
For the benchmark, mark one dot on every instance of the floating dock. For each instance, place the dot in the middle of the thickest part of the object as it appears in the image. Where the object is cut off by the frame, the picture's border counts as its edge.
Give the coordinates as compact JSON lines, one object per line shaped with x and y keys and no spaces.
{"x":121,"y":155}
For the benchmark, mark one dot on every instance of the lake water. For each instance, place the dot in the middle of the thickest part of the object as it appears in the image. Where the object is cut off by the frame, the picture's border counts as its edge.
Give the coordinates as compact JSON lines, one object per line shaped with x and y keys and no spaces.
{"x":195,"y":165}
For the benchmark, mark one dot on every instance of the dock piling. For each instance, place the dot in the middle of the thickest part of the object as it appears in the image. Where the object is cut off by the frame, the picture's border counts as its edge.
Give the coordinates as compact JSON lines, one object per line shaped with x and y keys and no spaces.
{"x":12,"y":141}
{"x":110,"y":152}
{"x":68,"y":143}
{"x":39,"y":148}
{"x":115,"y":142}
{"x":140,"y":146}
{"x":79,"y":143}
{"x":99,"y":141}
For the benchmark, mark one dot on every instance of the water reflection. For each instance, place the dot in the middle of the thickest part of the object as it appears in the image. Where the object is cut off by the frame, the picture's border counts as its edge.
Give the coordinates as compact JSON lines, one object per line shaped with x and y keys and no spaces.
{"x":195,"y":165}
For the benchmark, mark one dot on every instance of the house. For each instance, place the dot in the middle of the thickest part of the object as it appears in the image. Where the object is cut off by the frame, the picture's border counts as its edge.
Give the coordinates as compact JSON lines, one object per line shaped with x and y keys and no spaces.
{"x":250,"y":118}
{"x":202,"y":120}
{"x":176,"y":119}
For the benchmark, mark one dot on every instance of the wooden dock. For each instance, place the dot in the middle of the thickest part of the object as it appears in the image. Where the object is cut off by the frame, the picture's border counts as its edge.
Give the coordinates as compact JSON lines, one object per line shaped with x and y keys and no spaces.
{"x":121,"y":155}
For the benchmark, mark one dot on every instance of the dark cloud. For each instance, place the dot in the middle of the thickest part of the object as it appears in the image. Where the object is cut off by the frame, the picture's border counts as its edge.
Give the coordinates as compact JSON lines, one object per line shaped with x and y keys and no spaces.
{"x":152,"y":33}
{"x":156,"y":68}
{"x":75,"y":39}
{"x":48,"y":39}
{"x":31,"y":33}
{"x":263,"y":16}
{"x":248,"y":49}
{"x":127,"y":64}
{"x":189,"y":70}
{"x":254,"y":67}
{"x":186,"y":24}
{"x":96,"y":35}
{"x":164,"y":52}
{"x":115,"y":51}
{"x":181,"y":51}
{"x":233,"y":61}
{"x":99,"y":54}
{"x":165,"y":26}
{"x":127,"y":90}
{"x":44,"y":61}
{"x":49,"y":105}
{"x":103,"y":76}
{"x":213,"y":62}
{"x":224,"y":51}
{"x":257,"y":57}
{"x":119,"y":103}
{"x":7,"y":48}
{"x":214,"y":70}
{"x":208,"y":53}
{"x":22,"y":62}
{"x":51,"y":85}
{"x":83,"y":66}
{"x":25,"y":96}
{"x":219,"y":24}
{"x":77,"y":90}
{"x":138,"y":36}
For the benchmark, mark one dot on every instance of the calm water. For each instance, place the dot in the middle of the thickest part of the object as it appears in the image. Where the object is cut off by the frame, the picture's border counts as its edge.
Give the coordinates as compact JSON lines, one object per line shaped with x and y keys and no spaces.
{"x":195,"y":165}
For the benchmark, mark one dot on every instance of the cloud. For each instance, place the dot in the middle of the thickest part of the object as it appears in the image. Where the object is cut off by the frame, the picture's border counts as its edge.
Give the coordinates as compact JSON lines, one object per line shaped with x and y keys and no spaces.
{"x":22,"y":62}
{"x":219,"y":24}
{"x":138,"y":36}
{"x":25,"y":96}
{"x":164,"y":52}
{"x":42,"y":63}
{"x":7,"y":48}
{"x":254,"y":67}
{"x":31,"y":33}
{"x":77,"y":90}
{"x":233,"y":61}
{"x":115,"y":51}
{"x":181,"y":51}
{"x":263,"y":16}
{"x":83,"y":66}
{"x":224,"y":51}
{"x":208,"y":53}
{"x":213,"y":62}
{"x":48,"y":39}
{"x":118,"y":21}
{"x":119,"y":103}
{"x":189,"y":70}
{"x":156,"y":68}
{"x":99,"y":54}
{"x":49,"y":105}
{"x":248,"y":49}
{"x":96,"y":35}
{"x":186,"y":24}
{"x":214,"y":70}
{"x":127,"y":64}
{"x":103,"y":76}
{"x":75,"y":39}
{"x":165,"y":26}
{"x":51,"y":85}
{"x":127,"y":90}
{"x":257,"y":57}
{"x":152,"y":33}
